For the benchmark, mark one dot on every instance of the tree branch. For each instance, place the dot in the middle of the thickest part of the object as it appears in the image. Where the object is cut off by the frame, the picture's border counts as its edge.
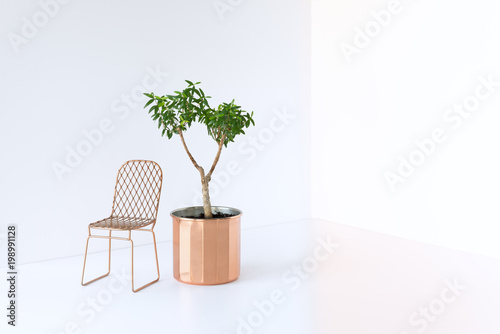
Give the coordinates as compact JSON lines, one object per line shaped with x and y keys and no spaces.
{"x":221,"y":143}
{"x":187,"y":150}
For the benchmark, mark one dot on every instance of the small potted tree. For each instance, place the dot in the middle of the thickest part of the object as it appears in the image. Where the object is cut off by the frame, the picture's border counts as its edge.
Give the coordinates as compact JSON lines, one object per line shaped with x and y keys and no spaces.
{"x":206,"y":238}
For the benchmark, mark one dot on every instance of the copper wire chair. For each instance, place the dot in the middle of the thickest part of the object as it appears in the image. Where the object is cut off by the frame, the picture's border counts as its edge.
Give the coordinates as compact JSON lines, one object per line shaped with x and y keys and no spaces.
{"x":135,"y":207}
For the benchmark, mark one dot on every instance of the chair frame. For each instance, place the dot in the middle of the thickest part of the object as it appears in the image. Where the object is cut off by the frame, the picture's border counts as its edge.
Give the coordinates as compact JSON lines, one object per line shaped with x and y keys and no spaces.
{"x":150,"y":226}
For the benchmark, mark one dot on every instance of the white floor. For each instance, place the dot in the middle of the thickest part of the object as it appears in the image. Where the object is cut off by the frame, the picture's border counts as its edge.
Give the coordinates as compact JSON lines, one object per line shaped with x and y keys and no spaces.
{"x":300,"y":277}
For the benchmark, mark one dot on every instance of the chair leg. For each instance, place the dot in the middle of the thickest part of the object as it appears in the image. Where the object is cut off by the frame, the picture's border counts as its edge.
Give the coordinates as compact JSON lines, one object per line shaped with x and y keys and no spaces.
{"x":157,"y":266}
{"x":85,"y":261}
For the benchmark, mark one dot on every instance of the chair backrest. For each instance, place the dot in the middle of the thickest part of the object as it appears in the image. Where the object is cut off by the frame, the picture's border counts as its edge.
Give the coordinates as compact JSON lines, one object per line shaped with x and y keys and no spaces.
{"x":137,"y":190}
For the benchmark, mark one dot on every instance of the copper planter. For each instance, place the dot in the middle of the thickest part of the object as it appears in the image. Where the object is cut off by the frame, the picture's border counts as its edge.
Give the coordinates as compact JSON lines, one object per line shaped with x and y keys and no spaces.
{"x":206,"y":251}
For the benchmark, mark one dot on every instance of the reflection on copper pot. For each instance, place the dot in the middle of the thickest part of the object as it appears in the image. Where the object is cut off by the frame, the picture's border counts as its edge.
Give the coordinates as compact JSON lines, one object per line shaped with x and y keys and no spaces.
{"x":206,"y":251}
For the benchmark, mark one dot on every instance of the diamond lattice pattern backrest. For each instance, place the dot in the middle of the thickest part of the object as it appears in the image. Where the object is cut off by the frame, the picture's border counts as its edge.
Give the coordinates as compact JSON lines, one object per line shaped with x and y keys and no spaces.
{"x":137,"y":191}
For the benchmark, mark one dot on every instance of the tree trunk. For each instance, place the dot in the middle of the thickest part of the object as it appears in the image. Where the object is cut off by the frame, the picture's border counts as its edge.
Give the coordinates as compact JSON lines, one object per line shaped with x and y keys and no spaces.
{"x":205,"y":179}
{"x":207,"y":206}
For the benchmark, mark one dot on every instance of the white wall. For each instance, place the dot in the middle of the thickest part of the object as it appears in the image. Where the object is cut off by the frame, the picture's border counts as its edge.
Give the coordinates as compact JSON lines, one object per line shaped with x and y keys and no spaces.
{"x":393,"y":89}
{"x":77,"y":69}
{"x":80,"y":70}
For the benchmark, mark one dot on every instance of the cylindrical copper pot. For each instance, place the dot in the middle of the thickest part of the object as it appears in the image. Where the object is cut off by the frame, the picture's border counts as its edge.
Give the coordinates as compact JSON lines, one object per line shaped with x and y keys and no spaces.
{"x":206,"y":251}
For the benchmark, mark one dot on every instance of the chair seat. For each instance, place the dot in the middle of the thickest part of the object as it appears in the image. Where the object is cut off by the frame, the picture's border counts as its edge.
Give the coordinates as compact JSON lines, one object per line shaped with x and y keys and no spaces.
{"x":122,"y":223}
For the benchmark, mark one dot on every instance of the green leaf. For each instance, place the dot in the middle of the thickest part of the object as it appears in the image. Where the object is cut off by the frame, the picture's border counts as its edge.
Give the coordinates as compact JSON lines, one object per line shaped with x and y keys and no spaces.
{"x":184,"y":107}
{"x":149,"y":102}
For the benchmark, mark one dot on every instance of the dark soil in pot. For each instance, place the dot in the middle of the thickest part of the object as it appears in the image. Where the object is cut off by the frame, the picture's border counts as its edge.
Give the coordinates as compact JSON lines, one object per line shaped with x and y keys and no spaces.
{"x":216,"y":215}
